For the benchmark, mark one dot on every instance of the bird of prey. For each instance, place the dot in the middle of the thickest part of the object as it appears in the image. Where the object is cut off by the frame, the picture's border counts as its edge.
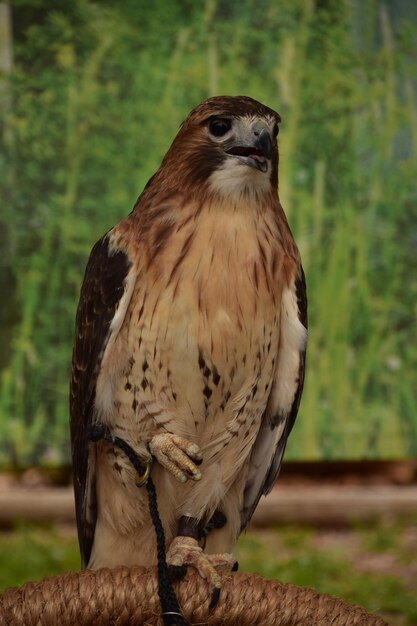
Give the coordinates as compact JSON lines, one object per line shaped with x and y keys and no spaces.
{"x":190,"y":346}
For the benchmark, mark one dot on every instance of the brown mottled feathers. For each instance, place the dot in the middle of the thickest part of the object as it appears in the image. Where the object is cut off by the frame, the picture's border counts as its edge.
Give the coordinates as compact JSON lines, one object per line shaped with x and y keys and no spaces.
{"x":101,"y":291}
{"x":192,"y":321}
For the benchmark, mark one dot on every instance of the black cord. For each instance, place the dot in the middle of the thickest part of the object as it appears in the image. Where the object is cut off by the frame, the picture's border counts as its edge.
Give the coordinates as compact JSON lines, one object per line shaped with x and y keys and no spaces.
{"x":217,"y":520}
{"x":98,"y":432}
{"x":171,"y":613}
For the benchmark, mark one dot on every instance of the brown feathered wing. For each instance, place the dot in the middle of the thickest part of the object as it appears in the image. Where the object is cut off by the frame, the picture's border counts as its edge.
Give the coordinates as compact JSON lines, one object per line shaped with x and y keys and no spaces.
{"x":103,"y":287}
{"x":269,"y":447}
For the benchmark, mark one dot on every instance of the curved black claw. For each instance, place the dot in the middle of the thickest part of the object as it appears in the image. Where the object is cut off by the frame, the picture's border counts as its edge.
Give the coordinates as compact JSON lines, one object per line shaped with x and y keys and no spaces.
{"x":177,"y":571}
{"x":214,"y":598}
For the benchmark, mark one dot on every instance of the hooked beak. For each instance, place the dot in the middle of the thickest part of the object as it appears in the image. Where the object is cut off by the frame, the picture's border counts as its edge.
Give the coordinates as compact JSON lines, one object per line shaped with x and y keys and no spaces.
{"x":258,"y":153}
{"x":265,"y":143}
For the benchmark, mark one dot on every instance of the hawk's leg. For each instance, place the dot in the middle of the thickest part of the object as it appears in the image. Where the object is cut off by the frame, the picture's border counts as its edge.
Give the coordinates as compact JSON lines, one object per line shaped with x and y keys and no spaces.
{"x":185,"y":550}
{"x":178,"y":455}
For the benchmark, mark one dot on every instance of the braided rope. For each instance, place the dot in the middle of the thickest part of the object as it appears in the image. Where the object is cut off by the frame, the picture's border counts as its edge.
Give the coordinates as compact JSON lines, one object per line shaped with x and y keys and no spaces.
{"x":129,"y":597}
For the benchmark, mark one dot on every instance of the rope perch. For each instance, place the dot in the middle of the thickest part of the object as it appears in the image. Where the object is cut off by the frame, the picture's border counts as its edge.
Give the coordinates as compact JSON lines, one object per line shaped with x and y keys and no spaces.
{"x":129,"y":597}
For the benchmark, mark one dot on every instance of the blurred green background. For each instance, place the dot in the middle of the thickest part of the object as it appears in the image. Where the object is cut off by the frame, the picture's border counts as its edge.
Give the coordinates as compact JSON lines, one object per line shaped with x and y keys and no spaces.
{"x":91,"y":96}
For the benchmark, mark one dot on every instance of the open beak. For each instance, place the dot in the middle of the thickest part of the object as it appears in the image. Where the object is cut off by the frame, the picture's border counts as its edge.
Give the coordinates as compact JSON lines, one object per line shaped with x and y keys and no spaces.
{"x":258,"y":153}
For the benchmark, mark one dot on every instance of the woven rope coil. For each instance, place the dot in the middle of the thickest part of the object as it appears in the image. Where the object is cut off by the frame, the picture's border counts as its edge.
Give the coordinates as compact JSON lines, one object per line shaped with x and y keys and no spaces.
{"x":129,"y":597}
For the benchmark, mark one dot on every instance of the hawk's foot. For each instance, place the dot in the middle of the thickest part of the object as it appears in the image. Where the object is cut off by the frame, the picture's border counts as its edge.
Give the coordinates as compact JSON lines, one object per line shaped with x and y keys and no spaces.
{"x":178,"y":455}
{"x":186,"y":551}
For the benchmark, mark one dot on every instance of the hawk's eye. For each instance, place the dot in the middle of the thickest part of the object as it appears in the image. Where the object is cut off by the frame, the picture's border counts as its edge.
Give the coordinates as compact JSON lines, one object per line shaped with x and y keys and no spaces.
{"x":276,"y":130}
{"x":219,"y":126}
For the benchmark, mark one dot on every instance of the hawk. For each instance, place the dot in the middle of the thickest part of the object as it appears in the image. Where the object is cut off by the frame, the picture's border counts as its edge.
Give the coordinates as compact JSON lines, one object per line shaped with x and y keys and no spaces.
{"x":190,"y":346}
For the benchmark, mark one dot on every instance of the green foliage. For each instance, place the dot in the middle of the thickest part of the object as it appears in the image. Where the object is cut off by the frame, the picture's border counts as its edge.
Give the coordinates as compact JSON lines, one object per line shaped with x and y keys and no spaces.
{"x":98,"y":91}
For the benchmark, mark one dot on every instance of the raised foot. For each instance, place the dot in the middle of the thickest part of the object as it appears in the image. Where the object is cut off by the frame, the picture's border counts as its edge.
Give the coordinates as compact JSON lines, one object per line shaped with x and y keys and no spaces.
{"x":178,"y":455}
{"x":186,"y":551}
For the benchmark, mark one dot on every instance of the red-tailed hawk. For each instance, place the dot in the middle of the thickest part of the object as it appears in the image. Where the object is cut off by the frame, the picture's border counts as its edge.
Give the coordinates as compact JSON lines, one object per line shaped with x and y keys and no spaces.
{"x":190,"y":346}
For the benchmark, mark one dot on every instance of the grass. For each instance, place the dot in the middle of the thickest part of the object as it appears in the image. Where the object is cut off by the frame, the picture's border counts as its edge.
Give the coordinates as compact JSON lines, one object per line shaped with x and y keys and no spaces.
{"x":372,"y":565}
{"x":33,"y":552}
{"x":366,"y":565}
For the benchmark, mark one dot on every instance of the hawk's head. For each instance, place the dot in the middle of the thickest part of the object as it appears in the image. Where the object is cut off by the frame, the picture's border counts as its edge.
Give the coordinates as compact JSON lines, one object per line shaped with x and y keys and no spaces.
{"x":228,"y":145}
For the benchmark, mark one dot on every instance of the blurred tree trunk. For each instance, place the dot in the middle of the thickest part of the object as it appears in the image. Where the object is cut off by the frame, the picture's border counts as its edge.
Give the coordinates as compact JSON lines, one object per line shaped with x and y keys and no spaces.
{"x":6,"y":64}
{"x":7,"y":280}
